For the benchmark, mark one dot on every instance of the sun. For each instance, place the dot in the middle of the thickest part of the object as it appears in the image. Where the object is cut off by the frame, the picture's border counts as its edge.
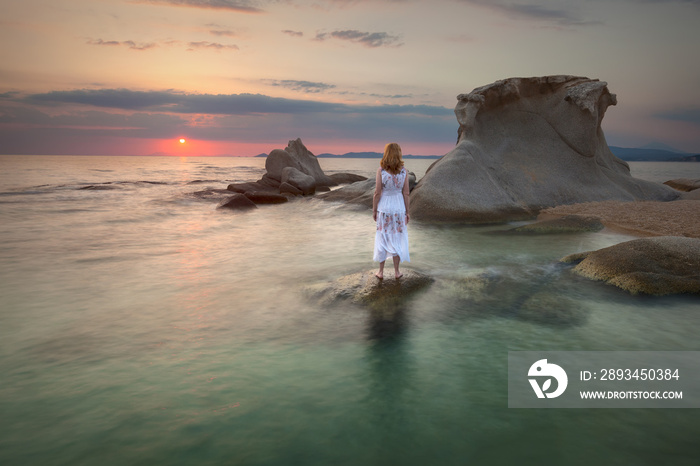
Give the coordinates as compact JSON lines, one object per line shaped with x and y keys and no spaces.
{"x":182,"y":140}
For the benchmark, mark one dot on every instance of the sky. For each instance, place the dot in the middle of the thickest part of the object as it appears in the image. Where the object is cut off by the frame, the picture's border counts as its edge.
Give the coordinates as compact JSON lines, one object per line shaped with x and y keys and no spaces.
{"x":243,"y":77}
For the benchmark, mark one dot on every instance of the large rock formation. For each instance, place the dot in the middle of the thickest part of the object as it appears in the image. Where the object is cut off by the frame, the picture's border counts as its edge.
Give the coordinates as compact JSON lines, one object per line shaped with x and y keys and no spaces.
{"x":294,"y":167}
{"x":657,"y":266}
{"x":526,"y":144}
{"x":297,"y":156}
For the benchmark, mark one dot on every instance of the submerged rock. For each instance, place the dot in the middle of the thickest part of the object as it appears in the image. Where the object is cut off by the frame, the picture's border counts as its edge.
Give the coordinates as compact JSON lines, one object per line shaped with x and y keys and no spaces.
{"x":364,"y":288}
{"x":655,"y":266}
{"x":98,"y":187}
{"x":212,"y":194}
{"x":566,"y":224}
{"x":531,"y":295}
{"x":526,"y":144}
{"x":237,"y":202}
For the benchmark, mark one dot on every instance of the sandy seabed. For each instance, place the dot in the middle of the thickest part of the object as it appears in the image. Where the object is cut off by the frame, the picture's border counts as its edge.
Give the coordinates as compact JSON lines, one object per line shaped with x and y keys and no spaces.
{"x":643,"y":218}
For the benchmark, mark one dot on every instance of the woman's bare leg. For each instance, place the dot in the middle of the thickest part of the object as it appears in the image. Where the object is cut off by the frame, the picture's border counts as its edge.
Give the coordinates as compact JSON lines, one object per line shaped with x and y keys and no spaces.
{"x":397,"y":260}
{"x":380,"y":274}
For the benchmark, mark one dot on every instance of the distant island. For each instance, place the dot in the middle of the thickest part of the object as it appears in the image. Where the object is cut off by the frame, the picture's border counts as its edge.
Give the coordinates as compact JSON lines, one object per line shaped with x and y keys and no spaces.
{"x":628,"y":154}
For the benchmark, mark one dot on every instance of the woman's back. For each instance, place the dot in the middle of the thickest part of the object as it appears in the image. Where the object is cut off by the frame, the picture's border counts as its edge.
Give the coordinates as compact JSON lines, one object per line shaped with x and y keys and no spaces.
{"x":393,"y":184}
{"x":392,"y":200}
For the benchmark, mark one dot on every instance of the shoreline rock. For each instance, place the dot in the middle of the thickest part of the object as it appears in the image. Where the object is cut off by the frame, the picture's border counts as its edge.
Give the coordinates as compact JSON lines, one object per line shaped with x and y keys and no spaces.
{"x":646,"y":218}
{"x":653,"y":266}
{"x":683,"y":184}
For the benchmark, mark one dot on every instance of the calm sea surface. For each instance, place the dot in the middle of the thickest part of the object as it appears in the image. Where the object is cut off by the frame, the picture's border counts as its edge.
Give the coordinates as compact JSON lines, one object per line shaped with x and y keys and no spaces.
{"x":140,"y":326}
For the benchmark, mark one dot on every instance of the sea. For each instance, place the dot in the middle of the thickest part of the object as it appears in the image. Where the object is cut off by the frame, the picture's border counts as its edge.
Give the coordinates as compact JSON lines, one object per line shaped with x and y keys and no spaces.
{"x":141,"y":325}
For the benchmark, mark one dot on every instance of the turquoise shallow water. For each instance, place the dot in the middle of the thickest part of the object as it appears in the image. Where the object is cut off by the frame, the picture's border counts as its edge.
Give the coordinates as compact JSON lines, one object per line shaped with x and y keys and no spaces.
{"x":139,"y":325}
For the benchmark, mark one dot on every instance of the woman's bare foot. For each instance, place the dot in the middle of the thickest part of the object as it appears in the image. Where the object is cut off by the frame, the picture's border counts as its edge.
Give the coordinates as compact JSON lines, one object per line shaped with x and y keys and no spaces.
{"x":379,"y":275}
{"x":398,"y":275}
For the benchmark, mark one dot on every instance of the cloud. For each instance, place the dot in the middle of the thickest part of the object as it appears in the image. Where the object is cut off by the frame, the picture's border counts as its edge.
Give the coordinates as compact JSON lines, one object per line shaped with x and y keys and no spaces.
{"x":368,"y":39}
{"x":531,"y":11}
{"x":125,"y":43}
{"x":392,"y":96}
{"x":191,"y":46}
{"x":302,"y":86}
{"x":222,"y":104}
{"x":210,"y":45}
{"x":293,"y":33}
{"x":222,"y":32}
{"x":241,"y":6}
{"x":690,"y":115}
{"x":107,"y":98}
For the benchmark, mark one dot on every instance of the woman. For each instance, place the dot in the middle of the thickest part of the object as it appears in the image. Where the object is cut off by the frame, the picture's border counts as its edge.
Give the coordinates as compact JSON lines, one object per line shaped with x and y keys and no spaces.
{"x":390,"y":211}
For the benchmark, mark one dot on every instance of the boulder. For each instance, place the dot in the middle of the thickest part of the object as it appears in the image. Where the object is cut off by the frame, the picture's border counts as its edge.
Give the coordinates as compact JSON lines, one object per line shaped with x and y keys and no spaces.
{"x":237,"y":202}
{"x":525,"y":144}
{"x":566,"y":224}
{"x":683,"y":184}
{"x":267,"y":180}
{"x":305,"y":183}
{"x":360,"y":192}
{"x":251,"y":186}
{"x":297,"y":156}
{"x":346,"y":178}
{"x":286,"y":188}
{"x":264,"y":197}
{"x":365,"y":289}
{"x":655,"y":266}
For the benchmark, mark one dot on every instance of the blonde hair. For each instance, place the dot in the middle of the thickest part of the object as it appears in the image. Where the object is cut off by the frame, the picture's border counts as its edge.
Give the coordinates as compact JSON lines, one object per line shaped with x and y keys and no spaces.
{"x":392,"y":161}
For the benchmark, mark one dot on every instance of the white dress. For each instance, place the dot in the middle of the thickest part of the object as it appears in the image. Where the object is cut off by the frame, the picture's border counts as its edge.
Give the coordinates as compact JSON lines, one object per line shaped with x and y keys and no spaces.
{"x":391,"y":238}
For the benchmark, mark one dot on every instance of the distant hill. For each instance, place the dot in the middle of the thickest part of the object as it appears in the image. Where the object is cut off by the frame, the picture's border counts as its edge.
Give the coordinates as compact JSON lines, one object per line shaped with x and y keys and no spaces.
{"x":652,"y":155}
{"x":662,"y":146}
